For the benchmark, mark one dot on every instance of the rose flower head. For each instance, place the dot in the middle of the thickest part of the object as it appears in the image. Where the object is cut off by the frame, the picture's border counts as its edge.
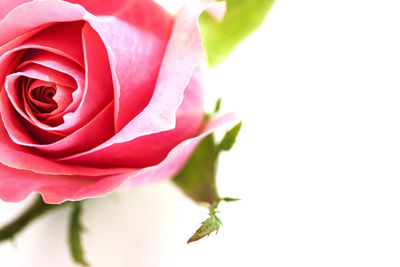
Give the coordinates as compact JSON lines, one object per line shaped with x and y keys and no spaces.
{"x":97,"y":94}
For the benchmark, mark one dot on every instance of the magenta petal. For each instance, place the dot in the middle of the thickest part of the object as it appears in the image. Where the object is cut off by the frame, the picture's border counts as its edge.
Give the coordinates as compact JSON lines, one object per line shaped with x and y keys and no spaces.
{"x":184,"y":52}
{"x":136,"y":73}
{"x":97,"y":131}
{"x":64,"y":39}
{"x":16,"y":185}
{"x":35,"y":72}
{"x":36,"y":14}
{"x":105,"y":7}
{"x":151,"y":149}
{"x":46,"y":74}
{"x":19,"y":157}
{"x":143,"y":151}
{"x":20,"y":130}
{"x":143,"y":35}
{"x":98,"y":91}
{"x":183,"y":55}
{"x":63,"y":95}
{"x":7,"y":5}
{"x":163,"y":88}
{"x":11,"y":120}
{"x":14,"y":116}
{"x":55,"y":62}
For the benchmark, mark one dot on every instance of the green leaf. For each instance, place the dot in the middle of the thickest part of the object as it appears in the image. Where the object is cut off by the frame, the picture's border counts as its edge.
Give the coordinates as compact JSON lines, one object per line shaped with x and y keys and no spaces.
{"x":230,"y":138}
{"x":75,"y":231}
{"x":207,"y":227}
{"x":197,"y":178}
{"x":37,"y":209}
{"x":241,"y":19}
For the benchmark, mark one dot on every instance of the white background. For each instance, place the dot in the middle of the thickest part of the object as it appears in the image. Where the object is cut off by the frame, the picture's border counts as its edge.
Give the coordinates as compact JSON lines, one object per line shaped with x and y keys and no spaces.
{"x":316,"y":164}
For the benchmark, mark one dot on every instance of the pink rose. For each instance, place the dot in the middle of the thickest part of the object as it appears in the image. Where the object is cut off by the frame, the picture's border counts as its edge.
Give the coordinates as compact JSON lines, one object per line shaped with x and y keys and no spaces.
{"x":97,"y":94}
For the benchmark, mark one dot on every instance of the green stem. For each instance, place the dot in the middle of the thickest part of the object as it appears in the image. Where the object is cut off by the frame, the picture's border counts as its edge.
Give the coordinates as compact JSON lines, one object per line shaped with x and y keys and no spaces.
{"x":37,"y":209}
{"x":75,"y":235}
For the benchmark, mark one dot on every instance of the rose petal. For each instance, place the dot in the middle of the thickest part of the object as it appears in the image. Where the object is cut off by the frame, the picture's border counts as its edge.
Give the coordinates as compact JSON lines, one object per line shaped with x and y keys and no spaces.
{"x":31,"y":15}
{"x":15,"y":185}
{"x":183,"y":55}
{"x":62,"y":99}
{"x":151,"y":149}
{"x":106,"y":7}
{"x":98,"y":130}
{"x":53,"y":61}
{"x":37,"y":72}
{"x":21,"y":130}
{"x":19,"y":157}
{"x":46,"y":74}
{"x":7,"y":5}
{"x":49,"y":60}
{"x":98,"y":91}
{"x":63,"y":65}
{"x":143,"y":35}
{"x":20,"y":165}
{"x":184,"y":52}
{"x":64,"y":39}
{"x":36,"y":16}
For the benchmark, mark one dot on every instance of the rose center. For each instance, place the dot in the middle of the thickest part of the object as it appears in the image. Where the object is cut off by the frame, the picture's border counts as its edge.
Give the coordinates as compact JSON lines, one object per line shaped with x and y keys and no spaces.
{"x":41,"y":100}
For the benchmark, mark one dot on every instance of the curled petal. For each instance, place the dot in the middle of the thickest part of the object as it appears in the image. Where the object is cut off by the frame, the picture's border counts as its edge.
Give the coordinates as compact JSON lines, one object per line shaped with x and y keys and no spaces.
{"x":95,"y":132}
{"x":68,"y":44}
{"x":98,"y":92}
{"x":151,"y":149}
{"x":15,"y":185}
{"x":24,"y":158}
{"x":36,"y":14}
{"x":144,"y":40}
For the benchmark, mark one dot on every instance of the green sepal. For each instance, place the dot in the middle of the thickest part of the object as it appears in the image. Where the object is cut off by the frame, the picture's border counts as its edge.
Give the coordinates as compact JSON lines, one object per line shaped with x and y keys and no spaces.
{"x":75,"y":235}
{"x":230,"y":138}
{"x":241,"y":19}
{"x":197,"y":178}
